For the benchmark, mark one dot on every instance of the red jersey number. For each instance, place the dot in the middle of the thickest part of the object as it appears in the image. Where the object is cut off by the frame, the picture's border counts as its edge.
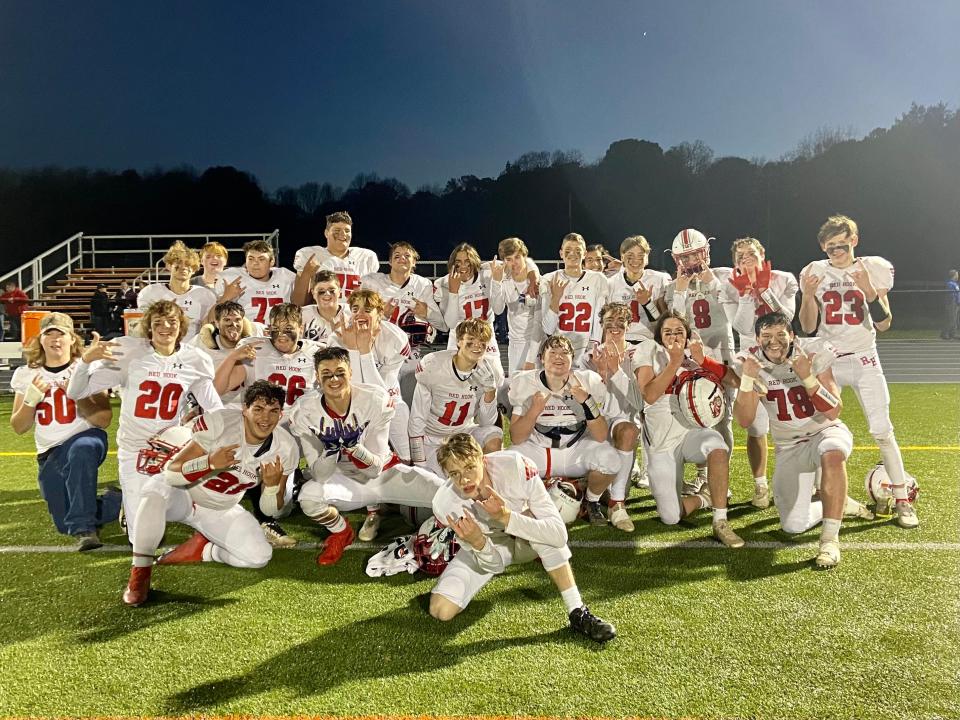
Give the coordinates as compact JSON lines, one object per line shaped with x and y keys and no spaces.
{"x":701,"y":314}
{"x":833,"y":303}
{"x":574,"y":318}
{"x":158,"y":402}
{"x":56,"y":407}
{"x":262,"y":304}
{"x":227,"y":483}
{"x":476,"y":309}
{"x":294,"y":384}
{"x":792,"y":404}
{"x":448,"y":413}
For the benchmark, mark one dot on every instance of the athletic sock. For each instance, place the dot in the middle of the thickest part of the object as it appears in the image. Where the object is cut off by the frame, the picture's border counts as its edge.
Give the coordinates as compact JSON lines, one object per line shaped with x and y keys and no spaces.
{"x":571,"y":599}
{"x":719,"y":514}
{"x":830,"y":530}
{"x":142,"y":561}
{"x":760,"y":481}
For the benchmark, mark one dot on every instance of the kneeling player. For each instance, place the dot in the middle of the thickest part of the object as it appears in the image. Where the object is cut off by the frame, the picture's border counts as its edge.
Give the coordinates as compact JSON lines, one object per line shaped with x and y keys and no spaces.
{"x":803,"y":402}
{"x":500,"y":511}
{"x":231,"y":450}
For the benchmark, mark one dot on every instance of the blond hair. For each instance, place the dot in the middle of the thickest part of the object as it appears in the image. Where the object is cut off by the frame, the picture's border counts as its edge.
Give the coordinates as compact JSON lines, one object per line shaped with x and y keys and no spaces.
{"x":459,"y":446}
{"x":162,"y":308}
{"x":286,"y":311}
{"x":180,"y":254}
{"x":214,"y":248}
{"x":511,"y":245}
{"x":635,"y":241}
{"x":36,"y":356}
{"x":740,"y":242}
{"x":836,"y":225}
{"x":474,"y":326}
{"x":370,"y":299}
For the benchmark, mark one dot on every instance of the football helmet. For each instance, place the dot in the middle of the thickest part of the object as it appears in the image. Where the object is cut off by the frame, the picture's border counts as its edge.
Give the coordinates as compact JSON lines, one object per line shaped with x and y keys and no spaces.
{"x":880,"y":486}
{"x":691,"y":251}
{"x":434,"y":546}
{"x":699,"y":401}
{"x":161,"y":447}
{"x":566,"y":497}
{"x":419,"y":331}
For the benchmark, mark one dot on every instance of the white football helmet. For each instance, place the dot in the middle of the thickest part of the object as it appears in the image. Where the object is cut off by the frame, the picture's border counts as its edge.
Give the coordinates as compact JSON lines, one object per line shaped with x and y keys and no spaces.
{"x":699,"y":401}
{"x":161,"y":447}
{"x":691,"y":251}
{"x":880,"y":486}
{"x":566,"y":497}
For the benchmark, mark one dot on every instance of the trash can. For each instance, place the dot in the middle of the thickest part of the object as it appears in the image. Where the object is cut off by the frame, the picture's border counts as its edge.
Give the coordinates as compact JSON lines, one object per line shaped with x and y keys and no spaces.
{"x":30,"y":322}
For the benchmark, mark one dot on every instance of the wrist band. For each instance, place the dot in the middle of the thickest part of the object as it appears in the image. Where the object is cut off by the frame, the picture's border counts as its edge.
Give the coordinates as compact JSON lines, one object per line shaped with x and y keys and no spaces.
{"x":590,"y":408}
{"x":359,"y":453}
{"x":878,"y":312}
{"x":824,"y":400}
{"x":196,"y":468}
{"x":33,"y":395}
{"x":771,"y":300}
{"x":747,"y":384}
{"x":652,"y":311}
{"x":810,"y":382}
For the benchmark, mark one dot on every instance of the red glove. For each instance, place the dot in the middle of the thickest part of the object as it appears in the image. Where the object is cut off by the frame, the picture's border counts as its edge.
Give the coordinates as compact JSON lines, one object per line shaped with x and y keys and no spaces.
{"x":741,"y":282}
{"x":763,"y":277}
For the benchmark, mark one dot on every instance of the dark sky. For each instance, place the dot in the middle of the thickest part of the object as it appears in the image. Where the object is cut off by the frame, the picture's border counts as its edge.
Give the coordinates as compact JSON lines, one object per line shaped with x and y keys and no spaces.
{"x":425,"y":91}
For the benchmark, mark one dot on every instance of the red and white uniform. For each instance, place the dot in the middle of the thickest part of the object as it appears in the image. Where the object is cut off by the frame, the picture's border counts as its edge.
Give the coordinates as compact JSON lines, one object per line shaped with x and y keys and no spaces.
{"x":578,"y":319}
{"x":560,"y":443}
{"x":317,"y":328}
{"x":621,"y":385}
{"x":621,"y":290}
{"x":524,"y":324}
{"x":349,"y":269}
{"x":155,"y":392}
{"x":341,"y":480}
{"x":57,"y":419}
{"x":210,"y":343}
{"x":471,"y":301}
{"x":745,"y":309}
{"x":534,"y":528}
{"x":702,"y":304}
{"x":447,"y":401}
{"x":195,"y":303}
{"x":416,"y":288}
{"x":295,"y":371}
{"x":260,"y":295}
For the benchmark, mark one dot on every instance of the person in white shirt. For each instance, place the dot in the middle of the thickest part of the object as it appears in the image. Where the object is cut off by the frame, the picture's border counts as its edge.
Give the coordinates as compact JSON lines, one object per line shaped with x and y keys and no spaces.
{"x":218,"y":338}
{"x":231,"y":450}
{"x":640,"y":287}
{"x":501,"y":514}
{"x":258,"y":285}
{"x":328,"y":311}
{"x":516,"y":289}
{"x":70,"y":438}
{"x":197,"y":302}
{"x":349,"y":263}
{"x":850,"y":294}
{"x":213,"y":261}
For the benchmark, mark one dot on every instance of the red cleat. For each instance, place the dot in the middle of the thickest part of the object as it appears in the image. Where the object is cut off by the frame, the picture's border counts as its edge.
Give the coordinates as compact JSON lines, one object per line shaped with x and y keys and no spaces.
{"x":138,"y":587}
{"x":335,"y":545}
{"x":190,"y":551}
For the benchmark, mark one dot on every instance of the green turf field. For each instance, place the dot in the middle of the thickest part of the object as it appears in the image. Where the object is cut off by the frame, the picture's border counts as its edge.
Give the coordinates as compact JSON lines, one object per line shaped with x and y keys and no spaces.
{"x":704,"y":631}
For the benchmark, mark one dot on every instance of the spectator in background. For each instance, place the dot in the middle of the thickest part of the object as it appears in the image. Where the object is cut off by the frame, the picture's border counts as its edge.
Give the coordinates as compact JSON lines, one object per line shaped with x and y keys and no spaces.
{"x":100,"y":310}
{"x":14,"y":301}
{"x":951,"y":321}
{"x":125,"y":297}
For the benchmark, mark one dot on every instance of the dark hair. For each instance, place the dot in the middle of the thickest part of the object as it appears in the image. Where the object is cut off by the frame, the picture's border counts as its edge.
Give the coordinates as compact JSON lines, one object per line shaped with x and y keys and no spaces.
{"x":339,"y":217}
{"x":770,"y":319}
{"x":674,"y":315}
{"x":338,"y":354}
{"x":227,"y":307}
{"x":270,"y":393}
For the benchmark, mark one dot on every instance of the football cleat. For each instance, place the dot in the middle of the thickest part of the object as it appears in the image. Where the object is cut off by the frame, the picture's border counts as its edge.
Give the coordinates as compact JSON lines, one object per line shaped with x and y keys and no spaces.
{"x":190,"y":551}
{"x":595,"y":515}
{"x":725,"y":534}
{"x":335,"y":545}
{"x":620,"y":519}
{"x":829,"y":554}
{"x":906,"y":515}
{"x":88,"y":541}
{"x":694,"y":486}
{"x":276,"y":535}
{"x":703,"y":492}
{"x":884,"y":507}
{"x":639,"y":478}
{"x":138,"y":586}
{"x":584,"y":622}
{"x":371,"y":525}
{"x":761,"y":496}
{"x":854,"y":509}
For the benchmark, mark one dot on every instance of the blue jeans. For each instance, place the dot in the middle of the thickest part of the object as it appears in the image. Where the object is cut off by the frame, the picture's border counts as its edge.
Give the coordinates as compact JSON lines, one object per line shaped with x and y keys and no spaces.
{"x":68,"y":484}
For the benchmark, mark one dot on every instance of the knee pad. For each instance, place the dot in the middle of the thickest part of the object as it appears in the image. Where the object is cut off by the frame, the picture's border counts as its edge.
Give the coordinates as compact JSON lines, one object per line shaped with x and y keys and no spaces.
{"x":318,"y":510}
{"x":605,"y":460}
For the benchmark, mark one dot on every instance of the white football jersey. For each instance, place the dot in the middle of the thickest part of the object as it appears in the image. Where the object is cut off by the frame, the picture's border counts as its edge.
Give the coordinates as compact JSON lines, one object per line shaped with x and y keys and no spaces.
{"x":294,"y":372}
{"x":622,"y":385}
{"x":562,"y":421}
{"x":661,"y":430}
{"x":705,"y":310}
{"x":391,"y":348}
{"x":579,"y":317}
{"x":326,"y":437}
{"x":195,"y":302}
{"x":224,"y":427}
{"x":446,"y":400}
{"x":745,"y":310}
{"x":405,"y":296}
{"x":260,"y":295}
{"x":319,"y":329}
{"x":844,"y":317}
{"x":357,"y":263}
{"x":793,"y":418}
{"x":56,"y":419}
{"x":471,"y":301}
{"x":523,"y":311}
{"x":621,"y":290}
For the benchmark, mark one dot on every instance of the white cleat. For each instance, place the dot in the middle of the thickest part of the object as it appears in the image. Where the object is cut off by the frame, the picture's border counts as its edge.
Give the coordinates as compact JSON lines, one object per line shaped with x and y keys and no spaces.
{"x":370,"y":528}
{"x":693,"y":487}
{"x":725,"y":534}
{"x":620,"y":519}
{"x":639,"y":478}
{"x":905,"y":515}
{"x":761,"y":496}
{"x":829,"y":554}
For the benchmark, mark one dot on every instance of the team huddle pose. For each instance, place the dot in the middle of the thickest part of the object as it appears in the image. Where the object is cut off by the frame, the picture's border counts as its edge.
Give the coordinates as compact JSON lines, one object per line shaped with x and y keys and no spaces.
{"x":312,"y":391}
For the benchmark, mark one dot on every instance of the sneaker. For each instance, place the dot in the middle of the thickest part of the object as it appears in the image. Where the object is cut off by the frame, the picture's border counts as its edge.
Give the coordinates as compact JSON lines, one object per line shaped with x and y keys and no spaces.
{"x":595,"y":515}
{"x":620,"y":519}
{"x":88,"y":541}
{"x":276,"y":535}
{"x":586,"y":623}
{"x":761,"y":496}
{"x":725,"y":534}
{"x":640,"y":478}
{"x":190,"y":551}
{"x":855,"y":509}
{"x":138,"y":586}
{"x":335,"y":545}
{"x":884,"y":508}
{"x":906,"y":515}
{"x":829,"y":554}
{"x":371,"y":525}
{"x":694,"y":486}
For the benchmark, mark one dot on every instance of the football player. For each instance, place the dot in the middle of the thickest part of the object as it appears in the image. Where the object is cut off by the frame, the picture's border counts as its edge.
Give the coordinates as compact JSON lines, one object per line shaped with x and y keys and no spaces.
{"x":667,"y":442}
{"x":516,"y":289}
{"x":803,"y":403}
{"x":571,"y":298}
{"x":501,"y":514}
{"x":158,"y":377}
{"x":456,"y":390}
{"x":70,"y":437}
{"x":258,"y":285}
{"x":197,"y":302}
{"x":559,"y":422}
{"x":344,"y":429}
{"x":218,"y":338}
{"x":349,"y":263}
{"x":328,"y":310}
{"x":638,"y":286}
{"x":850,"y":295}
{"x":406,"y":294}
{"x":230,"y":451}
{"x":754,"y":290}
